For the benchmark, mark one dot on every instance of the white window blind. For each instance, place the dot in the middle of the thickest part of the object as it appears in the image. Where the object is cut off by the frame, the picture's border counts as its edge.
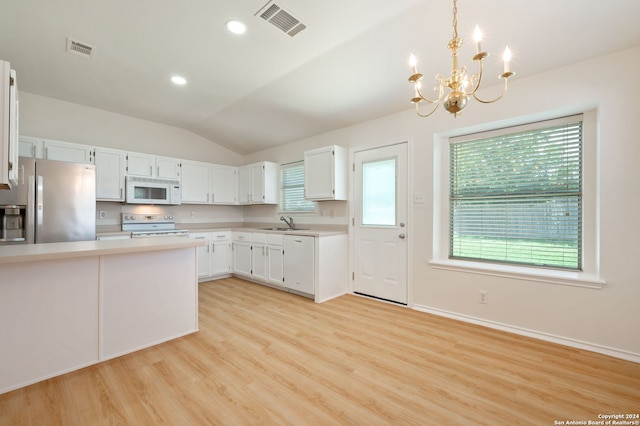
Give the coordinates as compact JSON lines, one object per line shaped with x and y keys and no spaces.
{"x":516,"y":195}
{"x":292,"y":189}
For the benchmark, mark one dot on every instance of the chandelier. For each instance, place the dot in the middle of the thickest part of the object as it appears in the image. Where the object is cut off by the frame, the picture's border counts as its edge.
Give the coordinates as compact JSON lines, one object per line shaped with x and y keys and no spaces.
{"x":461,"y":86}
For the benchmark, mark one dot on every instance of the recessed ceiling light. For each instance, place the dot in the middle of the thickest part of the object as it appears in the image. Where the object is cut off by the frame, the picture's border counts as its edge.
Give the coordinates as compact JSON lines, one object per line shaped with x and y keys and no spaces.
{"x":176,"y":79}
{"x":236,"y":27}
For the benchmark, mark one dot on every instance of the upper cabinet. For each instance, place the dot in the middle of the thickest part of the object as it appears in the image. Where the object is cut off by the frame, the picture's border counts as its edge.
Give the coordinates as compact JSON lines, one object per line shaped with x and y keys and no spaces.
{"x":195,"y":182}
{"x":110,"y":172}
{"x":224,"y":184}
{"x":147,"y":165}
{"x":325,"y":173}
{"x":258,"y":183}
{"x":8,"y":126}
{"x":30,"y":147}
{"x":205,"y":183}
{"x":66,"y":151}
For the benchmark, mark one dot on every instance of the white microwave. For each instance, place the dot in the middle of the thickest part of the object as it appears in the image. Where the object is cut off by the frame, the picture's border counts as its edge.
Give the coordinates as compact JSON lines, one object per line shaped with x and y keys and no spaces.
{"x":142,"y":190}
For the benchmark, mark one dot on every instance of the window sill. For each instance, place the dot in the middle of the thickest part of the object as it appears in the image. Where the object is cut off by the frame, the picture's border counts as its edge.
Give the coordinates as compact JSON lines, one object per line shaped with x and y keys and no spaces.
{"x":576,"y":279}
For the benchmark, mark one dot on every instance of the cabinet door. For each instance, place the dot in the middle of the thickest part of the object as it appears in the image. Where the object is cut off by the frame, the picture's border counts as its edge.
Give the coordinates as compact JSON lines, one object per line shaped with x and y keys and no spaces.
{"x":110,"y":167}
{"x":140,"y":164}
{"x":65,"y":151}
{"x":30,"y":147}
{"x":325,"y":173}
{"x":257,"y":183}
{"x":224,"y":184}
{"x":245,"y":181}
{"x":299,"y":263}
{"x":259,"y":261}
{"x":220,"y":257}
{"x":275,"y":263}
{"x":242,"y":258}
{"x":204,"y":258}
{"x":168,"y":168}
{"x":195,"y":182}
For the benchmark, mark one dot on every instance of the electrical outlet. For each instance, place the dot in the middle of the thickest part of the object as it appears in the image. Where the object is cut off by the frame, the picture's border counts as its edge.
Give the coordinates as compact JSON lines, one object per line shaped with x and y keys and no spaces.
{"x":484,"y":297}
{"x":193,"y":214}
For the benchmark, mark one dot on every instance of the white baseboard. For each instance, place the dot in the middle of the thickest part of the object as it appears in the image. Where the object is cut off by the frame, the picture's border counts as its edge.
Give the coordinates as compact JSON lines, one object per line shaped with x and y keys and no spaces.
{"x":573,"y":343}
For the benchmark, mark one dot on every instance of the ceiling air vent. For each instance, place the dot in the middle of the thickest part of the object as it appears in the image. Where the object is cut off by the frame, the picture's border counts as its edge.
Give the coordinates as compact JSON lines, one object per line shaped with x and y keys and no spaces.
{"x":81,"y":49}
{"x":280,"y":18}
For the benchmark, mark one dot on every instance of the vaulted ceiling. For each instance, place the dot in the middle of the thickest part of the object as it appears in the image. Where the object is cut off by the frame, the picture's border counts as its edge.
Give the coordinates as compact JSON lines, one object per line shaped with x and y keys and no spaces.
{"x":265,"y":88}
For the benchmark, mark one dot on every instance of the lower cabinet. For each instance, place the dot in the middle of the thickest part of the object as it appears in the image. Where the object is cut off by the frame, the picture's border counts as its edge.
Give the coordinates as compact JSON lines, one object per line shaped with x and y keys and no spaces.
{"x":315,"y":267}
{"x":214,"y":259}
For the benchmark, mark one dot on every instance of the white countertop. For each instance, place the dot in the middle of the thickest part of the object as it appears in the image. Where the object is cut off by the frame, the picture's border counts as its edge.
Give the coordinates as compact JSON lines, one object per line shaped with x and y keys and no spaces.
{"x":50,"y":251}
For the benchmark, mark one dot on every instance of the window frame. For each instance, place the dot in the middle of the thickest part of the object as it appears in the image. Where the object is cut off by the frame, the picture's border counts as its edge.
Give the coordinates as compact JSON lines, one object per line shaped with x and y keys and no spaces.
{"x":589,"y":276}
{"x":281,"y":205}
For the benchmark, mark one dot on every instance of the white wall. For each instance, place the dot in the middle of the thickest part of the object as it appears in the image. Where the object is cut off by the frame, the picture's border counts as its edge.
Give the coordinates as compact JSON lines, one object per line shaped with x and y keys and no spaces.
{"x":50,"y":118}
{"x":604,"y":319}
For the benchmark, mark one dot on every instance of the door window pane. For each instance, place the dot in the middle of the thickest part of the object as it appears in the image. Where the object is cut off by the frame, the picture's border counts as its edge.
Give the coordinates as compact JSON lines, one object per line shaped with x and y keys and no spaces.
{"x":379,"y":192}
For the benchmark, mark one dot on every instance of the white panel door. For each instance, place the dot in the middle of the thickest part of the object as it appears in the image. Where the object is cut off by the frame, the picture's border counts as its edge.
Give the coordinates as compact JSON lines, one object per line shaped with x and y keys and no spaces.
{"x":380,"y":232}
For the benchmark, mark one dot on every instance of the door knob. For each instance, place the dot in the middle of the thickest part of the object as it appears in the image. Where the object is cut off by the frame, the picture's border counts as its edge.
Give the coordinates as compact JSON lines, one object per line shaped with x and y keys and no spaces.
{"x":401,"y":236}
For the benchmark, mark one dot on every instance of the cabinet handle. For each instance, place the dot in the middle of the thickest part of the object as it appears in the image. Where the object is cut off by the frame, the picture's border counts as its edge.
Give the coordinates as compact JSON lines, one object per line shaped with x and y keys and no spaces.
{"x":213,"y":197}
{"x":213,"y":248}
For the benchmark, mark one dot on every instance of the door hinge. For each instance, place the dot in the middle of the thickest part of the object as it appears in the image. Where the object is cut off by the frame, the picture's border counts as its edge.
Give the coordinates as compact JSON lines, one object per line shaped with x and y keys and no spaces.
{"x":353,"y":276}
{"x":354,"y":167}
{"x":11,"y":81}
{"x":353,"y":221}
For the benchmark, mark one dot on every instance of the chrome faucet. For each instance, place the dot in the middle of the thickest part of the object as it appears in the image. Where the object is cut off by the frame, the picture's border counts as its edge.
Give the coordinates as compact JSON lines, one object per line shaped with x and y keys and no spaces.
{"x":288,"y":222}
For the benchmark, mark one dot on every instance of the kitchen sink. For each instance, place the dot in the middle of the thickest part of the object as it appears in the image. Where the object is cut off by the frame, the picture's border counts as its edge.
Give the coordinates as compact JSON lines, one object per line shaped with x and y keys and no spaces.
{"x":284,"y":229}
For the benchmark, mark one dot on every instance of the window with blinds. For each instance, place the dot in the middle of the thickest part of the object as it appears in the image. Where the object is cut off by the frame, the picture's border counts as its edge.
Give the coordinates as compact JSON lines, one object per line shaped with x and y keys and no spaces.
{"x":516,"y":195}
{"x":292,"y":189}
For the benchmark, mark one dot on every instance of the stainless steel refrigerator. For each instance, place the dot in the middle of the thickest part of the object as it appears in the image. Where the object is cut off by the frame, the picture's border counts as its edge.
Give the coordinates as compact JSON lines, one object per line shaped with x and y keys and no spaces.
{"x":59,"y":200}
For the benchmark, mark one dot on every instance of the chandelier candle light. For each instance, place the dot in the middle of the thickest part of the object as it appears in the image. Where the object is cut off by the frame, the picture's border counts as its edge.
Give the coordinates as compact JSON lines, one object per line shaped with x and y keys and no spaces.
{"x":460,"y":84}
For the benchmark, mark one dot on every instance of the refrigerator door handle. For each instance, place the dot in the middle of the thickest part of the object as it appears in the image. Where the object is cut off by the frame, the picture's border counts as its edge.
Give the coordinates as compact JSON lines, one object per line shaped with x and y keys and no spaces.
{"x":31,"y":202}
{"x":39,"y":202}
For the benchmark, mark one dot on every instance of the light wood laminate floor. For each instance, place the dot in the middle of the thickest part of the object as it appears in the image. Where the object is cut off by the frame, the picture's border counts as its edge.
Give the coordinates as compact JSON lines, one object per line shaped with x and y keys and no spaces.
{"x":263,"y":356}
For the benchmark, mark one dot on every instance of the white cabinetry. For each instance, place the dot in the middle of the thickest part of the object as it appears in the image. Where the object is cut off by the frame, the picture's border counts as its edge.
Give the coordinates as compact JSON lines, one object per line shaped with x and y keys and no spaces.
{"x":299,"y":260}
{"x":241,"y":250}
{"x":204,"y":183}
{"x":214,"y":259}
{"x":274,"y":259}
{"x":204,"y":257}
{"x":195,"y":182}
{"x":259,"y":263}
{"x":67,"y":151}
{"x":223,"y":184}
{"x":258,"y":256}
{"x":325,"y":173}
{"x":258,"y":183}
{"x":8,"y":126}
{"x":30,"y":147}
{"x":220,"y":253}
{"x":147,"y":165}
{"x":110,"y":171}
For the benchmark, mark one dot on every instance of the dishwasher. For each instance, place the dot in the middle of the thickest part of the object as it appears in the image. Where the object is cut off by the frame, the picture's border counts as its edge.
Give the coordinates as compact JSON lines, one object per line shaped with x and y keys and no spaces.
{"x":299,"y":263}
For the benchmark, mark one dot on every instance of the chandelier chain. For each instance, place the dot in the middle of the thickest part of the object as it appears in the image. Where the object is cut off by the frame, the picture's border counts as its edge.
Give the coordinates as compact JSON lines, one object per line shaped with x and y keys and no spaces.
{"x":455,"y":19}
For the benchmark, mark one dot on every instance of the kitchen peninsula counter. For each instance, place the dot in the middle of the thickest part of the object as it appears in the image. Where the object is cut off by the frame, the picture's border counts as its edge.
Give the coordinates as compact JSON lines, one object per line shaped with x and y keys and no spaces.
{"x":64,"y":306}
{"x":76,"y":249}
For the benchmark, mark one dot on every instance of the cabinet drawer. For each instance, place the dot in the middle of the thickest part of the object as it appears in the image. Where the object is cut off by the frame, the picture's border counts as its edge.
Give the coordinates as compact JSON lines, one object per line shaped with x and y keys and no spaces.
{"x":221,"y":236}
{"x":242,"y":237}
